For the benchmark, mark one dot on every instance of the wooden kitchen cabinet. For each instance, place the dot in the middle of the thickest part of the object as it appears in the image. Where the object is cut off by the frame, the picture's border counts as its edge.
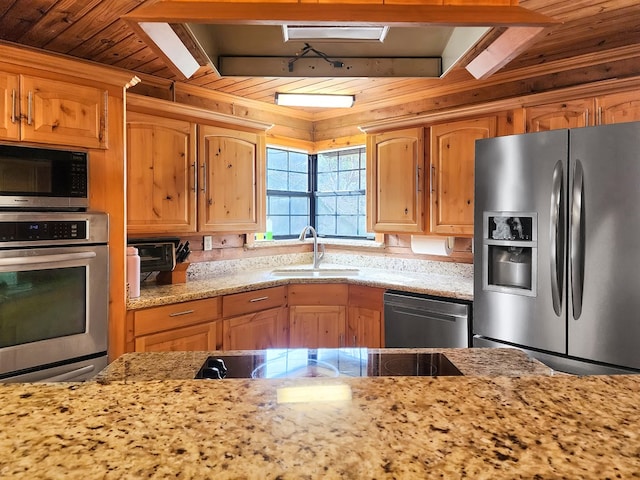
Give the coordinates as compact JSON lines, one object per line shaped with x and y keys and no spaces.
{"x":618,"y":108}
{"x":395,"y":181}
{"x":232,"y":193}
{"x":365,"y":317}
{"x":48,"y":111}
{"x":161,"y":174}
{"x":553,"y":116}
{"x":317,"y":315}
{"x":193,"y":325}
{"x":255,"y":320}
{"x":452,"y":162}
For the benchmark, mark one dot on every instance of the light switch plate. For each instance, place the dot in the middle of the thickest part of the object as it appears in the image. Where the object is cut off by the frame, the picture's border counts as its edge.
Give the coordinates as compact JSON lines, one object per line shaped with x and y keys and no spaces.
{"x":207,"y":243}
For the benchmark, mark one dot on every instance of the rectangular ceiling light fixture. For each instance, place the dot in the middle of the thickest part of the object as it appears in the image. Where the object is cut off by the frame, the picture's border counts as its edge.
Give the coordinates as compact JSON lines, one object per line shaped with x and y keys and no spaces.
{"x":314,"y":100}
{"x":171,"y":46}
{"x":309,"y":33}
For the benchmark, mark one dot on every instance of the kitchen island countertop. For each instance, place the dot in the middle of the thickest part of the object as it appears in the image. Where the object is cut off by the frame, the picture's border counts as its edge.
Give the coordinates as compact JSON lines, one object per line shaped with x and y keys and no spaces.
{"x":527,"y":426}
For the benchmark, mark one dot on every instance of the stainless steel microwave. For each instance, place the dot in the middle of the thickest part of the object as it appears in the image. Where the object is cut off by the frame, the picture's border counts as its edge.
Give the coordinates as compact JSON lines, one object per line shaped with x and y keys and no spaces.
{"x":43,"y":178}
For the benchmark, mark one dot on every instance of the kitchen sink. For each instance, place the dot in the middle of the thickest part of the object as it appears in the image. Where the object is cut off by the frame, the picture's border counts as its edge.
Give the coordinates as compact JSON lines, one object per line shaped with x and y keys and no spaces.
{"x":309,"y":271}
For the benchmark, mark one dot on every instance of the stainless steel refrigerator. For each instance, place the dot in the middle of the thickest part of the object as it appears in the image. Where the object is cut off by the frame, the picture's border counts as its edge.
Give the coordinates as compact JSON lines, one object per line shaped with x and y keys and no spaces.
{"x":557,"y":247}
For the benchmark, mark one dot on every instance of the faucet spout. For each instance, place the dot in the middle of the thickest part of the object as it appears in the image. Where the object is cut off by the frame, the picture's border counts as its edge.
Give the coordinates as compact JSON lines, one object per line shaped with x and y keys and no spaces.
{"x":316,"y":256}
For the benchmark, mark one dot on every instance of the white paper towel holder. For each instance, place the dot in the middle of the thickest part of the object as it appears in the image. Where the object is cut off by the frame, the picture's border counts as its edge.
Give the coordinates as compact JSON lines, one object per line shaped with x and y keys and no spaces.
{"x":432,"y":245}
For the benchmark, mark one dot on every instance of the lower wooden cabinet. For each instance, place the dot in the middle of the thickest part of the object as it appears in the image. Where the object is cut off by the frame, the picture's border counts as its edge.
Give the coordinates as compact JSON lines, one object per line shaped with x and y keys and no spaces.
{"x":191,"y":326}
{"x":365,"y":319}
{"x":255,"y":320}
{"x":317,"y":326}
{"x":198,"y":337}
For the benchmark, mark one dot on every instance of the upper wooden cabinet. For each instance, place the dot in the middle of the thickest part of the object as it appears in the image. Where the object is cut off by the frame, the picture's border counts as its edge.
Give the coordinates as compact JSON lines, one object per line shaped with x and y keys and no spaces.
{"x":618,"y":108}
{"x":554,"y":116}
{"x":395,"y":181}
{"x":232,"y":192}
{"x":53,"y":112}
{"x":601,"y":110}
{"x":161,"y":174}
{"x":452,"y":180}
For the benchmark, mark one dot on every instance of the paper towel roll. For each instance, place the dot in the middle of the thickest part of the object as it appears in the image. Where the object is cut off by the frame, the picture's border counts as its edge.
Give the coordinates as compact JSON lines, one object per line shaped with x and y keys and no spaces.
{"x":427,"y":245}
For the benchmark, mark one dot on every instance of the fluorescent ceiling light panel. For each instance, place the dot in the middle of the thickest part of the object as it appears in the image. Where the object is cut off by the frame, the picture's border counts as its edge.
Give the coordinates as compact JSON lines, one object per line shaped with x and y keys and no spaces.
{"x":333,"y":33}
{"x":314,"y":100}
{"x":166,"y":39}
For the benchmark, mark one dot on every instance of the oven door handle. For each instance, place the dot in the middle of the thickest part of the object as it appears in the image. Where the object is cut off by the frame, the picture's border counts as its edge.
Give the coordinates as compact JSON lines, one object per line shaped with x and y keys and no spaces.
{"x":63,"y":257}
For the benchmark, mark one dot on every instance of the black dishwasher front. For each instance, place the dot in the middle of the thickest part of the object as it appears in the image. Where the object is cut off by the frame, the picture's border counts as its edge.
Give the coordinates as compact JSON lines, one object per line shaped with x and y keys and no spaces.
{"x":423,"y":321}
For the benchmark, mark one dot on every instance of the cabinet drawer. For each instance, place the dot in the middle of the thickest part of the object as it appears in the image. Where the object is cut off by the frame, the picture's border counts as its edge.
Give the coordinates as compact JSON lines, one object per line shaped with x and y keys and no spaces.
{"x":248,"y":302}
{"x":166,"y":317}
{"x":319,"y":294}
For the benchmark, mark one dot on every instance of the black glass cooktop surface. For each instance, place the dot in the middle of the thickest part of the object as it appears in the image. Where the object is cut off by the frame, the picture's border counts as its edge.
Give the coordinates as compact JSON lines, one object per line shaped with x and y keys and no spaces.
{"x":350,"y":362}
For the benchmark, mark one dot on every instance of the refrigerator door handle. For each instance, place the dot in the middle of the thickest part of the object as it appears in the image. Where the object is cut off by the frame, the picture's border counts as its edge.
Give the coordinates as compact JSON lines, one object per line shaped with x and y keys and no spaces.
{"x":556,"y":238}
{"x":577,"y":239}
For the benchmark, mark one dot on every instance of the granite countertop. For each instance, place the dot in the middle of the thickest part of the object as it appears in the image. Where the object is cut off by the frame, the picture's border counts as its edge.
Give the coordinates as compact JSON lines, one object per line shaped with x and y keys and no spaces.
{"x":479,"y":427}
{"x":152,"y":295}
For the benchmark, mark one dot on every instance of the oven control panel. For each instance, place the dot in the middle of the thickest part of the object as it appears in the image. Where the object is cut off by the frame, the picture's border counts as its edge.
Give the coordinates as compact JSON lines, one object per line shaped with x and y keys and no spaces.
{"x":42,"y":230}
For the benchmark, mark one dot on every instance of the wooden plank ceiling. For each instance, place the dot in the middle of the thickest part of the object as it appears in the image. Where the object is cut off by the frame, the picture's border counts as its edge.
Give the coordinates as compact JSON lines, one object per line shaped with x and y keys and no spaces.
{"x":93,"y":30}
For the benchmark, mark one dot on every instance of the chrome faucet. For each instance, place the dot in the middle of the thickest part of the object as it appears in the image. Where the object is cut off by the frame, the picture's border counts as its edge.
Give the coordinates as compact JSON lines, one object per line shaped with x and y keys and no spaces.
{"x":316,"y":257}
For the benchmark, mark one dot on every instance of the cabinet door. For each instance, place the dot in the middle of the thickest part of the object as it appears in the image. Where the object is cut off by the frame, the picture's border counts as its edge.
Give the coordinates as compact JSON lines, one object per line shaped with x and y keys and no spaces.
{"x":196,"y":338}
{"x":316,"y":326}
{"x":232,"y":188}
{"x":365,"y":319}
{"x":256,"y":331}
{"x":452,"y":179}
{"x":618,"y":108}
{"x":63,"y":113}
{"x":364,"y":328}
{"x":395,"y":181}
{"x":161,"y":171}
{"x":554,"y":116}
{"x":9,"y":107}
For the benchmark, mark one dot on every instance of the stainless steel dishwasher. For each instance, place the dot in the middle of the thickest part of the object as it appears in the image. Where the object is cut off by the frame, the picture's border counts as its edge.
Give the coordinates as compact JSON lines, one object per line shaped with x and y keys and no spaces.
{"x":421,"y":321}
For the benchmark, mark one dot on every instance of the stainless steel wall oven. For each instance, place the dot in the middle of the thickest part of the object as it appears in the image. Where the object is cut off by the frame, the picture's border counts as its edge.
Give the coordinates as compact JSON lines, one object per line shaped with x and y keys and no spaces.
{"x":54,"y":283}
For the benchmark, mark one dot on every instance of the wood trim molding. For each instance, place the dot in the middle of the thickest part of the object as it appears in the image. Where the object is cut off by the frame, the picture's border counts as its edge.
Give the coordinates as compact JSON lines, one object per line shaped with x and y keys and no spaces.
{"x":142,"y":104}
{"x":26,"y":57}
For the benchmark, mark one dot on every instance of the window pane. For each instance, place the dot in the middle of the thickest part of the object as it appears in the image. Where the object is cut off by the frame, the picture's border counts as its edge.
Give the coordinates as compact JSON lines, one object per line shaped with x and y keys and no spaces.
{"x":298,"y":182}
{"x":277,"y":180}
{"x":326,"y":206}
{"x":347,"y":225}
{"x":298,"y":223}
{"x":280,"y":225}
{"x":326,"y":224}
{"x":299,"y":162}
{"x":277,"y":206}
{"x":327,"y":162}
{"x":349,"y":161}
{"x":277,"y":159}
{"x":300,"y":206}
{"x":347,"y":205}
{"x":349,"y":180}
{"x":327,"y":182}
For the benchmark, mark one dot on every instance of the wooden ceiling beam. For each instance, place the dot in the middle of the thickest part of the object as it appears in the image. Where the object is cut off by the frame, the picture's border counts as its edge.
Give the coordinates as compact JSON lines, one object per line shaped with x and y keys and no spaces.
{"x":322,"y":14}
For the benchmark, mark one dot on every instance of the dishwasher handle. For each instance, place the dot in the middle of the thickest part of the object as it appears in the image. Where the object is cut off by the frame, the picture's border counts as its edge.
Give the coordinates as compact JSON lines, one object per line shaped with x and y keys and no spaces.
{"x":426,"y":314}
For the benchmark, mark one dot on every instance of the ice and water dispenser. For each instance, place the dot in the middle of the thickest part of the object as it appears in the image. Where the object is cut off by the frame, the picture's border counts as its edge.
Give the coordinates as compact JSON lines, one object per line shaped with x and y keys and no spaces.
{"x":510,"y":250}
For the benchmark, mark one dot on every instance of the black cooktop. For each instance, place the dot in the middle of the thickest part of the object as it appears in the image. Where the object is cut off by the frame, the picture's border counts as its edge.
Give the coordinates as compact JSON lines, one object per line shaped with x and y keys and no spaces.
{"x":350,"y":362}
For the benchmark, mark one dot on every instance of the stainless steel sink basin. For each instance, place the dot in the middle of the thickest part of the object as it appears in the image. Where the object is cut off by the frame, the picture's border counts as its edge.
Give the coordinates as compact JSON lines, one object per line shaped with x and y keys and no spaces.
{"x":309,"y":271}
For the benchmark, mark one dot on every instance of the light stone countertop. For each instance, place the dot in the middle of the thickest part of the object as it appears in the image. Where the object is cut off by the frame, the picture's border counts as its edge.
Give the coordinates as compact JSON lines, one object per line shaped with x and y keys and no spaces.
{"x":476,"y":427}
{"x":451,"y":286}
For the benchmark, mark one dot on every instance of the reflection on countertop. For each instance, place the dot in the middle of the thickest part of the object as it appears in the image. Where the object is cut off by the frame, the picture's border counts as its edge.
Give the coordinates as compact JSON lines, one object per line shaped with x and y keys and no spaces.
{"x":479,"y":426}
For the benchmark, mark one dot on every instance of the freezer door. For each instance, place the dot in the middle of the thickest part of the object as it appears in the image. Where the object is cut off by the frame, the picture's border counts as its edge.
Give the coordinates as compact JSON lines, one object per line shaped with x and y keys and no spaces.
{"x":524,"y":173}
{"x":604,"y":266}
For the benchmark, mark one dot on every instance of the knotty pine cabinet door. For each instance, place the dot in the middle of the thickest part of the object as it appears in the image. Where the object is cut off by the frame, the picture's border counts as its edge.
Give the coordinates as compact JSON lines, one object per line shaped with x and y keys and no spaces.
{"x":317,"y":326}
{"x":232,"y":192}
{"x":618,"y":108}
{"x":452,"y":162}
{"x":62,"y":113}
{"x":257,"y":331}
{"x":554,"y":116}
{"x":161,"y":175}
{"x":365,"y":317}
{"x":196,"y":338}
{"x":395,"y":181}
